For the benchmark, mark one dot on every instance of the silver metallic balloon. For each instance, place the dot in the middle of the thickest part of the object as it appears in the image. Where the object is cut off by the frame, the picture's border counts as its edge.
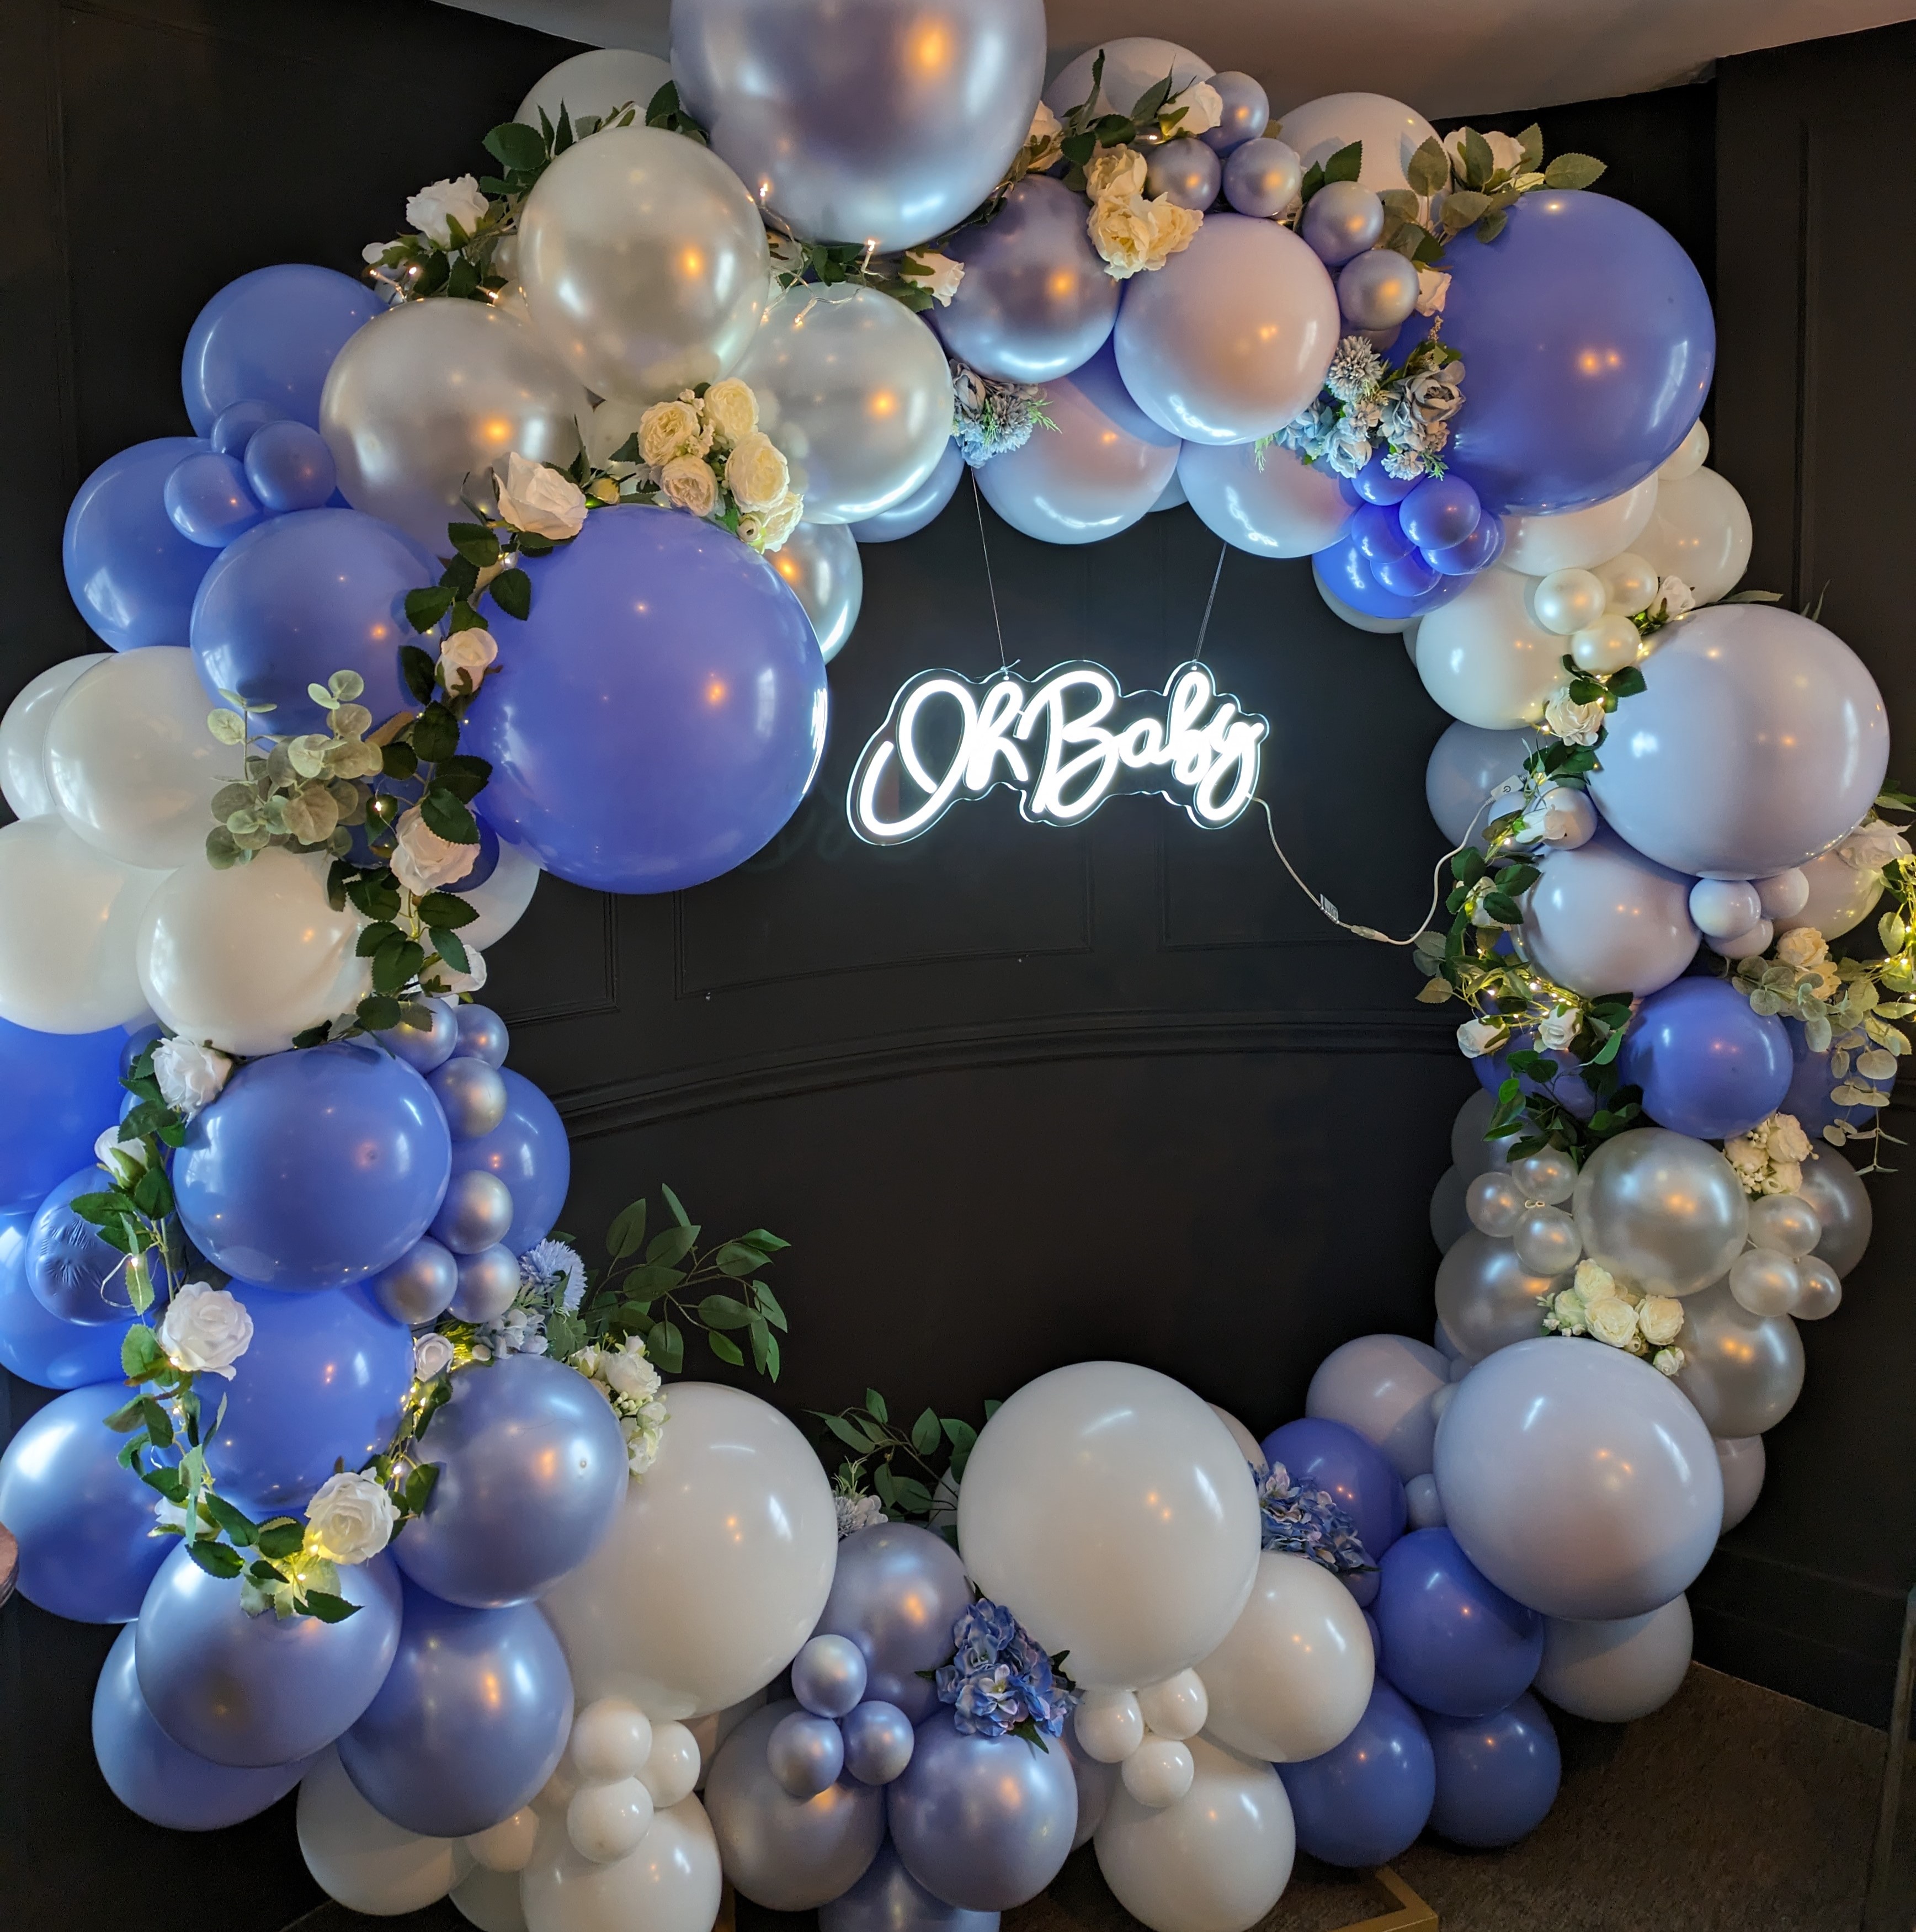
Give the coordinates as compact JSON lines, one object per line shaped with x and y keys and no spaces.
{"x":420,"y":1285}
{"x":1185,"y":170}
{"x":488,"y":1280}
{"x":1377,"y":290}
{"x":1835,"y":1190}
{"x":1342,"y":220}
{"x":432,"y":393}
{"x":1663,"y":1212}
{"x":1822,"y":1290}
{"x":1246,"y":111}
{"x":1486,"y":1298}
{"x":879,"y":120}
{"x":1230,"y":339}
{"x":472,"y":1095}
{"x":1546,"y":1241}
{"x":1494,"y":1203}
{"x":1265,"y":501}
{"x":1743,"y":1371}
{"x":805,"y":1753}
{"x":821,"y":562}
{"x":879,"y":1739}
{"x":828,"y":1676}
{"x":1546,"y":1176}
{"x":1036,"y":301}
{"x":1262,"y":177}
{"x":1741,"y":1458}
{"x":644,"y":263}
{"x":424,"y":1048}
{"x":1766,"y":1283}
{"x":1786,"y":1223}
{"x":856,"y":390}
{"x":925,"y":504}
{"x":1470,"y":1152}
{"x":482,"y":1033}
{"x":476,"y":1212}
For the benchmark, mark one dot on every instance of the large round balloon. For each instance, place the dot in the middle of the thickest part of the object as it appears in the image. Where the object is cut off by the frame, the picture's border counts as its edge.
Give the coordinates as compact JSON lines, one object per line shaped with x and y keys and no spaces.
{"x":1603,"y":919}
{"x":1833,"y":1187}
{"x":1485,"y":1297}
{"x":1319,"y":1453}
{"x":1448,"y":1638}
{"x":673,"y":1882}
{"x":1230,"y":339}
{"x":1467,"y":764}
{"x":1700,"y":532}
{"x":528,"y":1151}
{"x":62,"y":1089}
{"x":664,"y":711}
{"x":433,"y":394}
{"x":1841,"y":896}
{"x":896,"y":1592}
{"x":1390,"y":133}
{"x":1036,"y":302}
{"x":880,"y":121}
{"x":1743,"y":1371}
{"x":1497,"y":1777}
{"x":1590,"y":343}
{"x":644,"y":263}
{"x":598,"y":83}
{"x":131,"y":573}
{"x":1578,"y":1479}
{"x":1381,"y":1385}
{"x":1365,"y":1801}
{"x":1758,"y":740}
{"x":856,"y":390}
{"x":1665,"y":1213}
{"x":1578,"y":539}
{"x":1099,"y":472}
{"x":1264,"y":500}
{"x":301,"y":597}
{"x":313,"y":1168}
{"x":1112,"y":1508}
{"x":1614,"y":1673}
{"x":40,"y":1348}
{"x":364,"y":1860}
{"x":23,"y":734}
{"x":77,"y":1274}
{"x":1485,"y":658}
{"x":1708,"y":1065}
{"x":889,"y":1899}
{"x":1133,"y":64}
{"x":717,"y":1569}
{"x":821,"y":563}
{"x":911,"y":513}
{"x":270,"y":338}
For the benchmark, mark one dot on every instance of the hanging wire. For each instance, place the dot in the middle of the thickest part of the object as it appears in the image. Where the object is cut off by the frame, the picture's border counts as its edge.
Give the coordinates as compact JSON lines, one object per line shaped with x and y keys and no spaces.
{"x":1217,"y":577}
{"x":990,"y":582}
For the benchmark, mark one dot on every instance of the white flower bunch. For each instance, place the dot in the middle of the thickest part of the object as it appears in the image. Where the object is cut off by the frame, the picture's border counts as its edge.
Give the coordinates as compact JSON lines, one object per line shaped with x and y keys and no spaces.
{"x":632,"y":1385}
{"x":857,"y":1512}
{"x":1769,"y":1159}
{"x":704,"y":452}
{"x":205,"y":1329}
{"x":350,"y":1519}
{"x":190,"y":1077}
{"x":1572,"y":722}
{"x":1133,"y":234}
{"x":1598,"y":1305}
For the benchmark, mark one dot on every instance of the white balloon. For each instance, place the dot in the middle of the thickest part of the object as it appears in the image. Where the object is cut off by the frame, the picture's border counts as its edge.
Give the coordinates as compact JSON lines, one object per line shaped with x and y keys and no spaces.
{"x":1216,"y":1860}
{"x":1111,"y":1506}
{"x":611,"y":1739}
{"x":1248,"y":1444}
{"x":1566,"y":601}
{"x":1391,"y":133}
{"x":716,"y":1569}
{"x":1381,"y":1385}
{"x":129,"y":762}
{"x":507,"y":1846}
{"x":1629,"y":582}
{"x":70,"y":921}
{"x":1701,"y":532}
{"x":1292,"y":1678}
{"x":671,"y":1769}
{"x":1134,"y":64}
{"x":1361,"y":620}
{"x":246,"y":959}
{"x":1159,"y":1772}
{"x":1485,"y":658}
{"x":363,"y":1860}
{"x":1688,"y":457}
{"x":1578,"y":539}
{"x":595,"y":84}
{"x":1422,"y":1503}
{"x":607,"y":1822}
{"x":489,"y":1900}
{"x":1741,"y":1459}
{"x":1175,"y":1708}
{"x":1603,"y":919}
{"x":501,"y":902}
{"x":23,"y":734}
{"x":1109,"y":1724}
{"x":1616,"y":1672}
{"x":672,"y":1883}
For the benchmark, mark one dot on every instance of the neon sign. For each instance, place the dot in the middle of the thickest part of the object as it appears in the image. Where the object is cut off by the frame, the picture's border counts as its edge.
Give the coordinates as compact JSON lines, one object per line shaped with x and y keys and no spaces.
{"x":1189,"y":743}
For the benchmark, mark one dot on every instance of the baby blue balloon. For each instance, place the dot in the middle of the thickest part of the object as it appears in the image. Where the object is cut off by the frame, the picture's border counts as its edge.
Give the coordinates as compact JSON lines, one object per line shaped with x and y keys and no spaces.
{"x":258,"y":1691}
{"x":1319,"y":1453}
{"x":158,"y":1780}
{"x":82,"y":1520}
{"x":470,"y":1721}
{"x":41,"y":1348}
{"x":625,"y":755}
{"x":1365,"y":1801}
{"x":896,"y":1593}
{"x":76,"y":1275}
{"x":532,"y":1473}
{"x":1497,"y":1777}
{"x":131,"y":573}
{"x":323,"y":1379}
{"x":301,"y":597}
{"x":314,"y":1168}
{"x":1709,"y":1065}
{"x":921,"y":507}
{"x":270,"y":338}
{"x":889,"y":1899}
{"x":62,"y":1089}
{"x":1466,"y":764}
{"x":1451,"y":1641}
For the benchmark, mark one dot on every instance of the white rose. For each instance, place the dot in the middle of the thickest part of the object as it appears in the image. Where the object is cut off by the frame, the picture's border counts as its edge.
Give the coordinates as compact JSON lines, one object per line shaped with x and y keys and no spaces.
{"x":1134,"y":236}
{"x":587,"y":1361}
{"x":1044,"y":145}
{"x":1478,"y":1037}
{"x":1114,"y":171}
{"x":1574,"y":723}
{"x":1593,"y":1281}
{"x":1433,"y":285}
{"x":731,"y":412}
{"x":939,"y":275}
{"x":1788,"y":1141}
{"x":1505,"y":152}
{"x":125,"y":1160}
{"x":1871,"y":846}
{"x":1803,"y":946}
{"x":1612,"y":1320}
{"x":190,"y":1076}
{"x":767,"y":529}
{"x":1203,"y":108}
{"x":351,"y":1518}
{"x":1667,"y":1361}
{"x":626,"y":1372}
{"x":424,"y":862}
{"x":1558,"y":1027}
{"x":464,"y":658}
{"x":757,"y":472}
{"x":534,"y":496}
{"x":205,"y":1329}
{"x":1676,"y":596}
{"x":667,"y":429}
{"x":431,"y":209}
{"x":1567,"y":1305}
{"x":687,"y":484}
{"x":1660,"y":1319}
{"x":431,"y":1355}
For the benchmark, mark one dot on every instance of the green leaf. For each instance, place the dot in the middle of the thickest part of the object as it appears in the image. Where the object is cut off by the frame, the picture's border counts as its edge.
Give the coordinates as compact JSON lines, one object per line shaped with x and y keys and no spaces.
{"x":463,"y":776}
{"x":727,"y":1350}
{"x":1573,"y":171}
{"x":1429,"y":172}
{"x":678,"y":1213}
{"x":159,"y":1423}
{"x":415,"y":667}
{"x":667,"y":1347}
{"x":1626,"y":683}
{"x":1464,"y":207}
{"x":725,"y":1311}
{"x":152,"y":1194}
{"x":434,"y":732}
{"x":1531,"y":142}
{"x":127,"y":1416}
{"x":234,"y":1522}
{"x":140,"y":1352}
{"x":651,"y":1278}
{"x":217,"y":1559}
{"x":445,"y":911}
{"x":512,"y":592}
{"x":884,"y":1482}
{"x":280,"y":1538}
{"x":849,"y":1434}
{"x":627,"y":1233}
{"x":425,"y":608}
{"x":766,"y":1243}
{"x":926,"y":1433}
{"x":1346,"y":164}
{"x":516,"y":146}
{"x":101,"y":1208}
{"x":378,"y":1014}
{"x":328,"y":1608}
{"x":449,"y":817}
{"x":314,"y":1036}
{"x":738,"y":1261}
{"x":395,"y":963}
{"x":874,"y":1406}
{"x":911,"y":1495}
{"x":450,"y":947}
{"x":671,"y":1247}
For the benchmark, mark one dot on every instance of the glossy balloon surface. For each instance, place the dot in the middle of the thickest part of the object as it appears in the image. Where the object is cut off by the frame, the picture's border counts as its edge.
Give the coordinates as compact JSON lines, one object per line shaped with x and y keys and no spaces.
{"x":1743,"y":1371}
{"x":132,"y":574}
{"x":896,"y":1591}
{"x":528,"y":1151}
{"x":1661,"y":1210}
{"x":1266,"y":501}
{"x":270,"y":337}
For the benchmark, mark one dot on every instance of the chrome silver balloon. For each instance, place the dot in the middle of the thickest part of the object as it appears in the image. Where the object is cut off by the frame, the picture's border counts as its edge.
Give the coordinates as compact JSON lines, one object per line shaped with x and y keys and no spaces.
{"x":1342,"y":220}
{"x":488,"y":1280}
{"x":1546,"y":1240}
{"x":1486,"y":1298}
{"x":472,"y":1095}
{"x":1663,"y":1212}
{"x":476,"y":1212}
{"x":821,"y":562}
{"x":1842,"y":1202}
{"x":1743,"y":1371}
{"x":428,"y":1046}
{"x":1786,"y":1223}
{"x":1262,"y":177}
{"x":1765,"y":1283}
{"x":1377,"y":290}
{"x":828,"y":1675}
{"x":879,"y":1738}
{"x":1185,"y":169}
{"x":481,"y":1032}
{"x":1822,"y":1290}
{"x":420,"y":1285}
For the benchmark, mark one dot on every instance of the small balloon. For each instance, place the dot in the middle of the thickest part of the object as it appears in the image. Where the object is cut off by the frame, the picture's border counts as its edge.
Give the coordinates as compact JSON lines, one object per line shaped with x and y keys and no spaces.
{"x":879,"y":1742}
{"x":208,"y":500}
{"x":1262,"y":176}
{"x":269,"y":337}
{"x":1497,"y":1778}
{"x":819,"y":562}
{"x":1615,"y":1672}
{"x":1364,"y":1801}
{"x":804,"y":1753}
{"x":829,"y":1676}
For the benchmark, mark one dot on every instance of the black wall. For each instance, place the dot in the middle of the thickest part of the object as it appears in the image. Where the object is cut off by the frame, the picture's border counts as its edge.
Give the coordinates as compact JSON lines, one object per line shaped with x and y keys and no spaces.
{"x":1017,"y":1096}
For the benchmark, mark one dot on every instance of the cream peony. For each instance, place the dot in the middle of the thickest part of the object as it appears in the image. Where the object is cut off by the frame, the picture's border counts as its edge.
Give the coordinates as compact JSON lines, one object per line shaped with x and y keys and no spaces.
{"x":432,"y":209}
{"x":1593,"y":1281}
{"x":667,"y":429}
{"x":1114,"y":171}
{"x":687,"y":483}
{"x":190,"y":1077}
{"x":534,"y":496}
{"x":1659,"y":1318}
{"x":1803,"y":946}
{"x":1575,"y":723}
{"x":351,"y":1518}
{"x":1134,"y":236}
{"x":465,"y":658}
{"x":205,"y":1329}
{"x":1667,"y":1361}
{"x":422,"y":861}
{"x":1787,"y":1140}
{"x":626,"y":1372}
{"x":767,"y":529}
{"x":757,"y":472}
{"x":731,"y":412}
{"x":1567,"y":1305}
{"x":1611,"y":1319}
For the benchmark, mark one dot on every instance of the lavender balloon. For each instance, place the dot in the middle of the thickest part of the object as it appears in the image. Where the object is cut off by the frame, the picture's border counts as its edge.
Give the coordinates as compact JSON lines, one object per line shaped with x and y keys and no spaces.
{"x":1265,"y":501}
{"x":922,"y":507}
{"x":896,"y":1593}
{"x":829,"y":1675}
{"x":1261,"y":177}
{"x":1466,"y":765}
{"x":1183,"y":171}
{"x":889,"y":1899}
{"x":1604,"y":919}
{"x":804,"y":1753}
{"x":879,"y":1742}
{"x":1246,"y":112}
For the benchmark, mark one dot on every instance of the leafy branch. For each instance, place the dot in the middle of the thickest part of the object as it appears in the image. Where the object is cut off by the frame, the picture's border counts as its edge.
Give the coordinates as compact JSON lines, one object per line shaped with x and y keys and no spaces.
{"x":883,"y":1452}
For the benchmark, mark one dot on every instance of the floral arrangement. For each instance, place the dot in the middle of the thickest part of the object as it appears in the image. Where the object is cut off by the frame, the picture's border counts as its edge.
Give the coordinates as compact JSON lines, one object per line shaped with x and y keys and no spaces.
{"x":883,"y":1453}
{"x":1307,"y":1523}
{"x":1365,"y":403}
{"x":997,"y":1681}
{"x":990,"y":417}
{"x":1598,"y":1305}
{"x":1769,"y":1159}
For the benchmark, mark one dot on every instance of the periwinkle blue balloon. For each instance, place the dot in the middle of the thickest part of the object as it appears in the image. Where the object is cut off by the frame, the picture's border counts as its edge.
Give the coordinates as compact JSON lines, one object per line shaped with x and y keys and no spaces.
{"x":889,"y":1899}
{"x":1811,"y":1084}
{"x":1709,"y":1066}
{"x":270,"y":337}
{"x":424,"y":1048}
{"x":829,"y":1675}
{"x":262,"y":1690}
{"x":322,"y":1380}
{"x":1566,"y":1086}
{"x":1376,"y":484}
{"x":133,"y":1044}
{"x":1246,"y":112}
{"x":1377,"y":290}
{"x":161,"y":1781}
{"x":488,"y":1280}
{"x":61,"y":1089}
{"x":304,"y":596}
{"x":983,"y":1822}
{"x":476,"y":1212}
{"x":532,"y":1473}
{"x":1377,"y":531}
{"x":1351,"y":579}
{"x":529,"y":1152}
{"x":1342,"y":220}
{"x":896,"y":1592}
{"x":207,"y":498}
{"x":236,"y":425}
{"x":133,"y":575}
{"x":315,"y":1168}
{"x":1590,"y":342}
{"x":1440,"y":512}
{"x":487,"y":863}
{"x":289,"y":467}
{"x":1322,"y":1454}
{"x":922,"y":507}
{"x":1362,"y":1586}
{"x":82,"y":1521}
{"x":622,"y":759}
{"x":1497,"y":1777}
{"x":483,"y":1033}
{"x":470,"y":1721}
{"x":41,"y":1348}
{"x":879,"y":1741}
{"x":420,"y":1285}
{"x":1408,"y":577}
{"x":77,"y":1276}
{"x":1185,"y":171}
{"x":1451,"y":1641}
{"x":1261,"y":177}
{"x":1365,"y":1801}
{"x":804,"y":1753}
{"x":472,"y":1095}
{"x":1478,"y":551}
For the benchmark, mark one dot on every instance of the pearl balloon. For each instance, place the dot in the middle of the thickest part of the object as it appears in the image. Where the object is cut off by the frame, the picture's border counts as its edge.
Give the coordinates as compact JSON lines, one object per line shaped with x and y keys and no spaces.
{"x":1495,"y":1204}
{"x":925,"y":505}
{"x":1342,"y":220}
{"x":611,"y":1739}
{"x":1614,"y":1673}
{"x":1662,"y":1212}
{"x":1701,"y":532}
{"x":829,"y":1676}
{"x":1689,"y":456}
{"x":1466,"y":765}
{"x":1262,"y":178}
{"x":1377,"y":290}
{"x":1567,"y":600}
{"x":424,"y":1048}
{"x":1159,"y":1772}
{"x":1176,"y":1708}
{"x":819,"y":562}
{"x":1786,"y":1223}
{"x":364,"y":1861}
{"x":596,"y":84}
{"x":607,"y":1822}
{"x":1471,"y":1154}
{"x":1391,"y":133}
{"x":23,"y":734}
{"x":1743,"y":1371}
{"x":1109,"y":1724}
{"x":420,"y":1285}
{"x":670,"y":1772}
{"x":673,"y":1883}
{"x":1485,"y":658}
{"x":1602,"y":919}
{"x":1486,"y":1298}
{"x":1629,"y":582}
{"x":1783,"y":894}
{"x":1834,"y":1190}
{"x":1246,"y":112}
{"x":1763,"y":1283}
{"x":879,"y":1741}
{"x":1579,"y":539}
{"x":804,"y":1753}
{"x":1269,"y":501}
{"x":1741,"y":1458}
{"x":1721,"y":908}
{"x":1185,"y":171}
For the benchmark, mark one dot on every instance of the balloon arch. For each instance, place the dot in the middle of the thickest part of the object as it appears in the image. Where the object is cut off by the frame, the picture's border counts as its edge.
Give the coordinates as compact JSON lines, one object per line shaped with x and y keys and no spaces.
{"x":386,"y":1488}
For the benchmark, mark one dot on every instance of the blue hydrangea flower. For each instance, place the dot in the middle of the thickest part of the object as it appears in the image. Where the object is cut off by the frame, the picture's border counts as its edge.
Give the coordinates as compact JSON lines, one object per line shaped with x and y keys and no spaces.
{"x":1308,"y":1522}
{"x":998,"y":1680}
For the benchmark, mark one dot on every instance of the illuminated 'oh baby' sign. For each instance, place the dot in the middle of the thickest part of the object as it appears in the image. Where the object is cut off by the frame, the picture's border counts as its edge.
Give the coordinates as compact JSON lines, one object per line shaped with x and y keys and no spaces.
{"x":1064,"y":744}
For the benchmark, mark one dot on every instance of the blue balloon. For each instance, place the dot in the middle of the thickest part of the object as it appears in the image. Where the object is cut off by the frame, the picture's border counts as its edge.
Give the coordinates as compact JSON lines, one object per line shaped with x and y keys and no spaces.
{"x":1709,"y":1065}
{"x":1375,"y":484}
{"x":1322,"y":1454}
{"x":77,"y":1276}
{"x":1441,"y":512}
{"x":1566,"y":1086}
{"x":40,"y":1348}
{"x":531,"y":1475}
{"x":623,"y":757}
{"x":289,"y":467}
{"x":482,"y":1033}
{"x":1811,"y":1084}
{"x":131,"y":573}
{"x":1408,"y":577}
{"x":1478,"y":551}
{"x":889,"y":1899}
{"x":159,"y":1780}
{"x":469,"y":1723}
{"x":1343,"y":571}
{"x":270,"y":338}
{"x":923,"y":506}
{"x":62,"y":1089}
{"x":132,"y":1045}
{"x":1378,"y":533}
{"x":879,"y":1741}
{"x":528,"y":1151}
{"x":82,"y":1521}
{"x":896,"y":1592}
{"x":314,"y":1168}
{"x":1497,"y":1777}
{"x":323,"y":1379}
{"x":1590,"y":343}
{"x":235,"y":426}
{"x":207,"y":497}
{"x":301,"y":597}
{"x":1365,"y":1801}
{"x":1451,"y":1641}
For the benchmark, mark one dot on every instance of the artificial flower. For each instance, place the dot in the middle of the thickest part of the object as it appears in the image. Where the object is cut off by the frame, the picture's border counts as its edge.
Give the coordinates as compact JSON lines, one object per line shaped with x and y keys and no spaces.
{"x":205,"y":1329}
{"x":938,"y":274}
{"x":1872,"y":845}
{"x":1659,"y":1319}
{"x":1114,"y":171}
{"x":422,"y":861}
{"x":628,"y":1372}
{"x":1574,"y":723}
{"x":472,"y":980}
{"x":998,"y":1680}
{"x":1567,"y":1311}
{"x":1433,"y":285}
{"x":434,"y":209}
{"x":1667,"y":1361}
{"x":554,"y":1270}
{"x":190,"y":1077}
{"x":857,"y":1513}
{"x":125,"y":1160}
{"x":1044,"y":146}
{"x":1134,"y":236}
{"x":731,"y":412}
{"x":687,"y":483}
{"x":1308,"y":1522}
{"x":1674,"y":596}
{"x":1558,"y":1027}
{"x":1506,"y":154}
{"x":1480,"y":1036}
{"x":1611,"y":1319}
{"x":1787,"y":1140}
{"x":1593,"y":1281}
{"x":757,"y":472}
{"x":431,"y":1355}
{"x":671,"y":429}
{"x":1803,"y":946}
{"x":1203,"y":109}
{"x":536,"y":497}
{"x":465,"y":658}
{"x":350,"y":1519}
{"x":767,"y":529}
